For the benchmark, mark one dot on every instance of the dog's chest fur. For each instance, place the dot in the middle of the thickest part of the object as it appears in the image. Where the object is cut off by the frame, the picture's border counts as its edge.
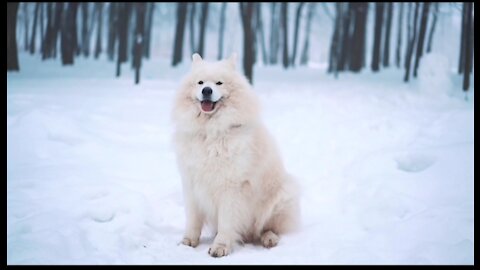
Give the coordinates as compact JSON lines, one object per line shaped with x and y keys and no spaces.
{"x":226,"y":155}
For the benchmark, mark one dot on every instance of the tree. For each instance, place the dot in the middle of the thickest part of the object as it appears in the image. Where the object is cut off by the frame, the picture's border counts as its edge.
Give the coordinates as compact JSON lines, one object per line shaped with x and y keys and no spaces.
{"x":112,"y":30}
{"x":34,"y":28}
{"x":57,"y":27}
{"x":54,"y":15}
{"x":246,"y":14}
{"x":358,"y":39}
{"x":139,"y":39}
{"x":399,"y":34}
{"x":123,"y":22}
{"x":345,"y":38}
{"x":421,"y":36}
{"x":461,"y":62}
{"x":180,"y":29}
{"x":98,"y":44}
{"x":274,"y":37}
{"x":379,"y":7}
{"x":432,"y":28}
{"x":335,"y":45}
{"x":411,"y":42}
{"x":42,"y":19}
{"x":274,"y":34}
{"x":148,"y":29}
{"x":48,"y":32}
{"x":192,"y":15}
{"x":221,"y":30}
{"x":306,"y":44}
{"x":26,"y":20}
{"x":295,"y":35}
{"x":69,"y":34}
{"x":468,"y":6}
{"x":388,"y":26}
{"x":284,"y":24}
{"x":203,"y":23}
{"x":12,"y":50}
{"x":85,"y":36}
{"x":259,"y":32}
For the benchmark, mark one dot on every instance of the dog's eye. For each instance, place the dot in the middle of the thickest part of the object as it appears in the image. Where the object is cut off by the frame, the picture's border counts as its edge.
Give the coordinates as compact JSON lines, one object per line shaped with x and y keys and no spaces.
{"x":200,"y":82}
{"x":219,"y":83}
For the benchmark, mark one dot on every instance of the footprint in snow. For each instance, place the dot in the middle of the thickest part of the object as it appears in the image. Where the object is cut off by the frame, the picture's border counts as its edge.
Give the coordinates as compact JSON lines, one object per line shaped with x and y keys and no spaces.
{"x":102,"y":215}
{"x":414,"y":162}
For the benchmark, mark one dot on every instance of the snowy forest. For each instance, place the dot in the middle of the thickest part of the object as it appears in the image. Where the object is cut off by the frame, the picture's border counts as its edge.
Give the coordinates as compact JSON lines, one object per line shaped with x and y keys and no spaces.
{"x":371,"y":105}
{"x":123,"y":32}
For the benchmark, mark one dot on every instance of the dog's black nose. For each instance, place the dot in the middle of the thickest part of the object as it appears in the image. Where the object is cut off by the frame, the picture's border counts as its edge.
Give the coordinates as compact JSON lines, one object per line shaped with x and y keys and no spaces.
{"x":207,"y":91}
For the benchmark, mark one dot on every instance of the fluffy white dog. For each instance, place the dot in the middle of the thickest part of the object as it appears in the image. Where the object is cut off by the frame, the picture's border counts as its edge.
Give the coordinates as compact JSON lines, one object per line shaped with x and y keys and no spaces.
{"x":233,"y":177}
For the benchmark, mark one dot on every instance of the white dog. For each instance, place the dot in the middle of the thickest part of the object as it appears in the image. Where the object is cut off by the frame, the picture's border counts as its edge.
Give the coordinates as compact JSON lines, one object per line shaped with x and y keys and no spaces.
{"x":233,"y":178}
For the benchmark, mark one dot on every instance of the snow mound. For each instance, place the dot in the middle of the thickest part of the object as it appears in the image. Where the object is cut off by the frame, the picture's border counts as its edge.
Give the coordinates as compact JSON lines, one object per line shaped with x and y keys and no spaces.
{"x":414,"y":162}
{"x":434,"y":74}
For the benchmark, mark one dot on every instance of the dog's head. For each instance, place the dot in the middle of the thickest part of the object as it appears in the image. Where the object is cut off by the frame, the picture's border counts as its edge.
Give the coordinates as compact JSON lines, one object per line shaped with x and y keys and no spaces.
{"x":215,"y":91}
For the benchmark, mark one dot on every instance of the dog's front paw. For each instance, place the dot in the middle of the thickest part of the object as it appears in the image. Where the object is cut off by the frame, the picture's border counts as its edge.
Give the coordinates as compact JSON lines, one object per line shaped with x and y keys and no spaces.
{"x":190,"y":242}
{"x":218,"y":250}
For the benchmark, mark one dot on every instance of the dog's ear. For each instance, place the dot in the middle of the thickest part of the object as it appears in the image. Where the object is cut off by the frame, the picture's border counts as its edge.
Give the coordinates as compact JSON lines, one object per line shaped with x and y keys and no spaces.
{"x":232,"y":60}
{"x":196,"y":58}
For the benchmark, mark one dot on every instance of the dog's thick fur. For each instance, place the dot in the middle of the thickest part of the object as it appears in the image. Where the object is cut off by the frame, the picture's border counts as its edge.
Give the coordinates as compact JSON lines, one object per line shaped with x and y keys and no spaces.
{"x":233,"y":178}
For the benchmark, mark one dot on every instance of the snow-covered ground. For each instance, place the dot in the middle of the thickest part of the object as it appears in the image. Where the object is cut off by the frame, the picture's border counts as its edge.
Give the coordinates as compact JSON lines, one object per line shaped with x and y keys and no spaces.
{"x":386,"y":167}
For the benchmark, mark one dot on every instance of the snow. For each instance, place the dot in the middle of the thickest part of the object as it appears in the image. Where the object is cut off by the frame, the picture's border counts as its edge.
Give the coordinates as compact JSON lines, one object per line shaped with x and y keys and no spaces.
{"x":386,"y":168}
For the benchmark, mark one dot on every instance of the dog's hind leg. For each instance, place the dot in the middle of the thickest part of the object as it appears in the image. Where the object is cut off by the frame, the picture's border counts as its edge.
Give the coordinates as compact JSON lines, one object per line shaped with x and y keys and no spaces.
{"x":269,"y":239}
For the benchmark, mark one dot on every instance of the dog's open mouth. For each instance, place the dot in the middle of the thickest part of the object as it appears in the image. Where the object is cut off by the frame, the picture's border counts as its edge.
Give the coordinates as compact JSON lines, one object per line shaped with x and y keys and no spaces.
{"x":208,"y":105}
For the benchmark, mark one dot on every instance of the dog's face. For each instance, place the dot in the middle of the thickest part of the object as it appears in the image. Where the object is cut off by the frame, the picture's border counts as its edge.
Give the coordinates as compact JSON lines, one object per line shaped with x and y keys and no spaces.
{"x":210,"y":84}
{"x":214,"y":92}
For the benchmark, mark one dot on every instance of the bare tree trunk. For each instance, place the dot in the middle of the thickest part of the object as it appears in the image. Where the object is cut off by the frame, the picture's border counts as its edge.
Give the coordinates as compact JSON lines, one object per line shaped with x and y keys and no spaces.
{"x":388,"y":26}
{"x":246,"y":13}
{"x":85,"y":39}
{"x":26,"y":18}
{"x":203,"y":23}
{"x":42,"y":26}
{"x":379,"y":7}
{"x":357,"y":42}
{"x":274,"y":34}
{"x":34,"y":28}
{"x":295,"y":35}
{"x":399,"y":35}
{"x":432,"y":28}
{"x":260,"y":34}
{"x":344,"y":39}
{"x":57,"y":27}
{"x":461,"y":62}
{"x":48,"y":32}
{"x":335,"y":45}
{"x":468,"y":45}
{"x":98,"y":44}
{"x":148,"y":30}
{"x":139,"y":39}
{"x":222,"y":30}
{"x":180,"y":29}
{"x":421,"y":36}
{"x":284,"y":22}
{"x":12,"y":50}
{"x":411,"y":43}
{"x":69,"y":39}
{"x":112,"y":30}
{"x":123,"y":23}
{"x":304,"y":58}
{"x":53,"y":28}
{"x":192,"y":15}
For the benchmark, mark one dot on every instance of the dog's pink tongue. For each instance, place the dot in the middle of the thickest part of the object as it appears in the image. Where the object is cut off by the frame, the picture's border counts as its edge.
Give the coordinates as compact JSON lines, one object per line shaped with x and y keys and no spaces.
{"x":207,"y":106}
